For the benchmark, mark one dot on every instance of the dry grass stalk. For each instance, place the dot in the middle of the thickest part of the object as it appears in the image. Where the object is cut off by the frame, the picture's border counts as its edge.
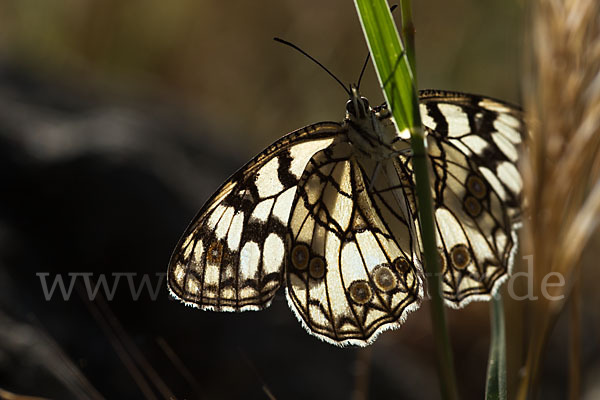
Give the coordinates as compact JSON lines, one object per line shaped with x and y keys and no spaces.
{"x":561,"y":167}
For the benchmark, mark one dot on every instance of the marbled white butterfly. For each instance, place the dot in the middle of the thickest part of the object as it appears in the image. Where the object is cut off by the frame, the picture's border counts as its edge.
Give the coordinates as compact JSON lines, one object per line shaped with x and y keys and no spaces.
{"x":329,"y":212}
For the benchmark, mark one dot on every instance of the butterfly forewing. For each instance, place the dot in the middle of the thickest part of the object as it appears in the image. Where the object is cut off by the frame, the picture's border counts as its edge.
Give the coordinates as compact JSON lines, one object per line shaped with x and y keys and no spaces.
{"x":349,"y":276}
{"x":231,"y":257}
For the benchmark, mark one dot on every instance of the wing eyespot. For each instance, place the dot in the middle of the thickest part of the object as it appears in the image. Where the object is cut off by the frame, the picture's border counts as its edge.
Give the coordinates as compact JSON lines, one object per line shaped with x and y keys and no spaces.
{"x":384,"y":278}
{"x":360,"y":292}
{"x":477,"y":186}
{"x":402,"y":265}
{"x":460,"y":256}
{"x":316,"y":268}
{"x":472,"y":206}
{"x":300,"y":256}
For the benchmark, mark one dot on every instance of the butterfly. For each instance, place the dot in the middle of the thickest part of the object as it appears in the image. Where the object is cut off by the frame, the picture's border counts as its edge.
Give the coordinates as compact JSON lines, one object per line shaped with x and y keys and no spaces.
{"x":329,"y":212}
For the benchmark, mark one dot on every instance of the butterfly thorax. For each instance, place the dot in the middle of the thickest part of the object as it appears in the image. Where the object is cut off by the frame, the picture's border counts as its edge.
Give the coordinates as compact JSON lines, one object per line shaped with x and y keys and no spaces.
{"x":370,"y":134}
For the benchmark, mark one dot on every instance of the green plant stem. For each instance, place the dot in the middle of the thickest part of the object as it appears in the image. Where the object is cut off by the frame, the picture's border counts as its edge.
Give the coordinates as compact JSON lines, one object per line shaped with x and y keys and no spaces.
{"x":495,"y":387}
{"x":395,"y":68}
{"x":445,"y":362}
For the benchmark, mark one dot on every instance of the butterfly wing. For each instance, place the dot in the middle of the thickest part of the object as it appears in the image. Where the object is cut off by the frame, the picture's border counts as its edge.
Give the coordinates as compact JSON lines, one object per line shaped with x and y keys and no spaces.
{"x":473,"y":149}
{"x":231,"y":257}
{"x":352,"y":262}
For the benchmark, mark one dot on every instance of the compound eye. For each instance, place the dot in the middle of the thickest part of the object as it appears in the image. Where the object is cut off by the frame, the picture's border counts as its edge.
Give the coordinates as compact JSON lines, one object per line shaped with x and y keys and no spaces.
{"x":363,"y":104}
{"x":350,"y":108}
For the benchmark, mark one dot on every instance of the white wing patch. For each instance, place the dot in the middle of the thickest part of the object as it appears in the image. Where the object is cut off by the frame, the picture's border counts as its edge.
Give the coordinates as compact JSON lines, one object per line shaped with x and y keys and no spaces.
{"x":427,"y":119}
{"x":224,"y":223}
{"x":474,"y":144}
{"x":273,"y":253}
{"x":509,"y":174}
{"x":509,"y":126}
{"x":301,"y":153}
{"x":215,"y":216}
{"x":283,"y":205}
{"x":249,"y":259}
{"x":267,"y":179}
{"x":494,"y":182}
{"x":235,"y":231}
{"x":262,"y":211}
{"x":506,"y":146}
{"x":458,"y":123}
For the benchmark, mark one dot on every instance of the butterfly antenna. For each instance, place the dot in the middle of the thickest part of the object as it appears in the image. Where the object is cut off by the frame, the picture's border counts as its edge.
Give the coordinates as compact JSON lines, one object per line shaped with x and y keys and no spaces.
{"x":362,"y":71}
{"x":293,"y":46}
{"x":364,"y":67}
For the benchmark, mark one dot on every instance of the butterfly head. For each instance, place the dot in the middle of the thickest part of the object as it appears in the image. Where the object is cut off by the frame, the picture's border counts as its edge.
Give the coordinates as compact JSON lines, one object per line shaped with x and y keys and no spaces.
{"x":357,"y":108}
{"x":372,"y":133}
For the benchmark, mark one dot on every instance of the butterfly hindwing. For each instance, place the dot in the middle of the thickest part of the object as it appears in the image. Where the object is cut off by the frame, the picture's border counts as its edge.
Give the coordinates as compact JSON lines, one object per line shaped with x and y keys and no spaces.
{"x":473,"y":147}
{"x":231,"y":257}
{"x":348,"y":275}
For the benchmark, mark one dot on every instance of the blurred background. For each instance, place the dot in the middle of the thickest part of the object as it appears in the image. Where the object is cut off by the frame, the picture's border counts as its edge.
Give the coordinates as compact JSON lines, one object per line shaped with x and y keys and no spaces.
{"x":119,"y":119}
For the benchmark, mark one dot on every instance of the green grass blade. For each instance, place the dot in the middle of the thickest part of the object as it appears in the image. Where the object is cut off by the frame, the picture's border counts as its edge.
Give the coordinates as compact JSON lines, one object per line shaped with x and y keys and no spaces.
{"x":397,"y":78}
{"x":495,"y":386}
{"x":391,"y":63}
